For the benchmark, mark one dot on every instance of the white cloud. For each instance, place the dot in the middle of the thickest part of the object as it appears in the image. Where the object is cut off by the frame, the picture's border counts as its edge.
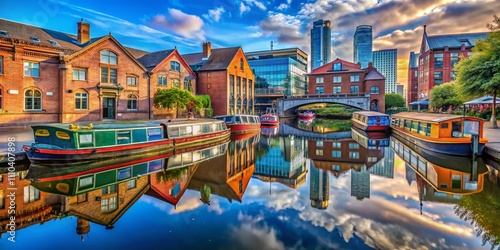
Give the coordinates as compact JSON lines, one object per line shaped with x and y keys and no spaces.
{"x":188,"y":26}
{"x":214,"y":14}
{"x":243,"y":8}
{"x":256,"y":3}
{"x":282,"y":6}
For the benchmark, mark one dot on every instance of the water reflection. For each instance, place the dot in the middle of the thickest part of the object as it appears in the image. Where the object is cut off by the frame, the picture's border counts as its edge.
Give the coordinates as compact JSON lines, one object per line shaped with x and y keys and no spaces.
{"x":359,"y":191}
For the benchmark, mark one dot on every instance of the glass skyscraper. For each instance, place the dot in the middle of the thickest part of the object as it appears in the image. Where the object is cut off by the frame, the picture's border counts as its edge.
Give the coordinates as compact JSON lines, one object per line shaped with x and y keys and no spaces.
{"x":363,"y":45}
{"x":321,"y":43}
{"x":277,"y":73}
{"x":386,"y":62}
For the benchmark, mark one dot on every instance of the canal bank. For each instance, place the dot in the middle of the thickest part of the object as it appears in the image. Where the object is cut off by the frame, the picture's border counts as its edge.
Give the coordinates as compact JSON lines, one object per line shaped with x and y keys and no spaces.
{"x":492,"y":148}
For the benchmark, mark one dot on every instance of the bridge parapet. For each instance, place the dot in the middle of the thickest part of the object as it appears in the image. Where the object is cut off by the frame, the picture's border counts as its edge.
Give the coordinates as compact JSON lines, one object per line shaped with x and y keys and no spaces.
{"x":357,"y":100}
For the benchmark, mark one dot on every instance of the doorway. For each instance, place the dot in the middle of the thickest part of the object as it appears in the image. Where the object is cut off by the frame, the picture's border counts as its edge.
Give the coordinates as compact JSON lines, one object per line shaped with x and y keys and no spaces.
{"x":108,"y":108}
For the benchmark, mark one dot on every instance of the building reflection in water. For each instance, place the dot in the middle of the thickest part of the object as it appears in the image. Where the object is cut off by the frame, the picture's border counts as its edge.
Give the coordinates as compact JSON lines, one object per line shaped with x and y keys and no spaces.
{"x":440,"y":178}
{"x":360,"y":154}
{"x":102,"y":194}
{"x":282,"y":162}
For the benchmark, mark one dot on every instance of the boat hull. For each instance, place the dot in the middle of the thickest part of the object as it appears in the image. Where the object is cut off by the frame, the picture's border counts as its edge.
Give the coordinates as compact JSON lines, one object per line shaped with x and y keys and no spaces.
{"x":269,"y":123}
{"x":243,"y":128}
{"x":462,"y":149}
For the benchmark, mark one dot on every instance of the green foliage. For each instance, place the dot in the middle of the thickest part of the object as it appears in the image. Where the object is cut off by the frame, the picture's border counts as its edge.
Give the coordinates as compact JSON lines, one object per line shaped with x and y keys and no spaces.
{"x":395,"y":110}
{"x":209,"y":112}
{"x":205,"y":100}
{"x":176,"y":98}
{"x":394,"y":100}
{"x":169,"y":175}
{"x":330,"y":109}
{"x":327,"y":125}
{"x":445,"y":95}
{"x":480,"y":73}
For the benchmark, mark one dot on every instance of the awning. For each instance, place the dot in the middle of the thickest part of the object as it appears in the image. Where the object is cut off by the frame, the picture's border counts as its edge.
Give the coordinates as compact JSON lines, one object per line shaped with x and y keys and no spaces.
{"x":482,"y":100}
{"x":423,"y":102}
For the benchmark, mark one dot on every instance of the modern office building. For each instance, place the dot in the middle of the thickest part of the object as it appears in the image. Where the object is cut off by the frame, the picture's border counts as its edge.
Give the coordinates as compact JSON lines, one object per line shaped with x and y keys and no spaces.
{"x":412,"y":87}
{"x":321,"y":43}
{"x":277,"y":73}
{"x":400,"y":90}
{"x":438,"y":55}
{"x":385,"y":167}
{"x":363,"y":38}
{"x":386,"y":62}
{"x":360,"y":183}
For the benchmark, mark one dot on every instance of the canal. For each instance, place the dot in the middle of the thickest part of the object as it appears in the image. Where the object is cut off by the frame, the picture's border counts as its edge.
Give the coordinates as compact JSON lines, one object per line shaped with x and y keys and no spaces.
{"x":303,"y":185}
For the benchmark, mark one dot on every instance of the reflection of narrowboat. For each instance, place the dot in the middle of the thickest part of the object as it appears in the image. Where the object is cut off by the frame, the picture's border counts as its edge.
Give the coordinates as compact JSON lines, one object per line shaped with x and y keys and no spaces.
{"x":370,"y":139}
{"x":240,"y":123}
{"x":370,"y":121}
{"x":72,"y":183}
{"x":269,"y":131}
{"x":442,"y":133}
{"x":306,"y":114}
{"x":445,"y":173}
{"x":269,"y":118}
{"x":63,"y":143}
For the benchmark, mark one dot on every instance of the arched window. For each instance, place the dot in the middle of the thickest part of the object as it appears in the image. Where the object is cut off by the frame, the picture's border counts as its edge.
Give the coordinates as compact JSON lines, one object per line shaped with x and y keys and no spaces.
{"x":32,"y":99}
{"x":108,"y":57}
{"x":132,"y":102}
{"x":374,"y":90}
{"x":81,"y":100}
{"x":241,"y":64}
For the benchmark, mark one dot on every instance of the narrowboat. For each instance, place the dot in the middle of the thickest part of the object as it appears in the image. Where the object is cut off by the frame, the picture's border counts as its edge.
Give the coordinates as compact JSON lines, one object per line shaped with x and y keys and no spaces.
{"x":441,"y":133}
{"x":370,"y":121}
{"x":74,"y":181}
{"x":370,"y":139}
{"x":240,"y":123}
{"x":306,"y":114}
{"x":446,"y":174}
{"x":65,"y":143}
{"x":269,"y":118}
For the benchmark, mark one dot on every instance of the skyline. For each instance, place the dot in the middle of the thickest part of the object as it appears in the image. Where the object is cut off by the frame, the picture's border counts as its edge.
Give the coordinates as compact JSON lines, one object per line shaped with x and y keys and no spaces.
{"x":154,"y":26}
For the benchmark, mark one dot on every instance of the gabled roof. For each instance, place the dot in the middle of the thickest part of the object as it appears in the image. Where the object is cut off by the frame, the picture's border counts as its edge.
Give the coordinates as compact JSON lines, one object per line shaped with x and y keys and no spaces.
{"x":219,"y":59}
{"x":374,"y":75}
{"x":455,"y":40}
{"x":151,"y":60}
{"x":328,"y":68}
{"x":136,"y":52}
{"x":19,"y":32}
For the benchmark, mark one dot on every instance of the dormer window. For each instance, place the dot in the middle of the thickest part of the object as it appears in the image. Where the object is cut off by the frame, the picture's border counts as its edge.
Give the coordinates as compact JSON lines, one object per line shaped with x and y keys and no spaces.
{"x":54,"y":43}
{"x":337,"y":66}
{"x":34,"y":39}
{"x":4,"y":33}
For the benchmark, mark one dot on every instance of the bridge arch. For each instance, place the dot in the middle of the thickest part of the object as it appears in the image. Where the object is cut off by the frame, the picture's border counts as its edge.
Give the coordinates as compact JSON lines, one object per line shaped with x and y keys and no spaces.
{"x":360,"y":101}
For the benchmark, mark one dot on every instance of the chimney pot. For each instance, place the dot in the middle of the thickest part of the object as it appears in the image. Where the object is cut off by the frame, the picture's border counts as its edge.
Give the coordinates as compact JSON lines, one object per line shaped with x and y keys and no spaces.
{"x":207,"y":49}
{"x":83,"y":32}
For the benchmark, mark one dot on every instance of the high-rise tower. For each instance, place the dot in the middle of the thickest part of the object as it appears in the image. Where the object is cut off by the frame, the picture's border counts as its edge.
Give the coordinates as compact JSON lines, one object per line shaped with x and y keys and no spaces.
{"x":321,"y":43}
{"x":363,"y":45}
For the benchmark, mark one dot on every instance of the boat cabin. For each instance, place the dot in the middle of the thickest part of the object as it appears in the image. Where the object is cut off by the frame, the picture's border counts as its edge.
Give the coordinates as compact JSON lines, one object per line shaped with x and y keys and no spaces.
{"x":239,"y":119}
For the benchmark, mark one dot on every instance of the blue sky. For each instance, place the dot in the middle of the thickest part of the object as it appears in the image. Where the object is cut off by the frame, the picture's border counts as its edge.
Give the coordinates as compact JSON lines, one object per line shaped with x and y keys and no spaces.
{"x":253,"y":24}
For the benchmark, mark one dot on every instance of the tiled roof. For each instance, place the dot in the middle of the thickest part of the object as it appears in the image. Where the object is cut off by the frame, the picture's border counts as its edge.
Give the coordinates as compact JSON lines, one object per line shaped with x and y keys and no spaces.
{"x":219,"y":59}
{"x":151,"y":60}
{"x":374,"y":75}
{"x":455,"y":40}
{"x":346,"y":67}
{"x":137,"y":53}
{"x":23,"y":32}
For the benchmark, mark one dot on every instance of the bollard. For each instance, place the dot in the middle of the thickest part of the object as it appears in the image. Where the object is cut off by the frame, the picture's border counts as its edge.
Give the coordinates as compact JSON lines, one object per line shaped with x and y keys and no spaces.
{"x":475,"y":145}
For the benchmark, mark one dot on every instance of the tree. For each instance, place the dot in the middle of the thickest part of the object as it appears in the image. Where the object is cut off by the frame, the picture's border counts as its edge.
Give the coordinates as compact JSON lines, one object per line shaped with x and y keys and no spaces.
{"x":394,"y":100}
{"x":176,"y":98}
{"x":445,"y":95}
{"x":480,"y":73}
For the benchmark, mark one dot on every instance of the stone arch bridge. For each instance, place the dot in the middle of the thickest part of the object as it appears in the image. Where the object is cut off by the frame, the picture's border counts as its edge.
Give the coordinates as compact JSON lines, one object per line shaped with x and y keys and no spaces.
{"x":358,"y":100}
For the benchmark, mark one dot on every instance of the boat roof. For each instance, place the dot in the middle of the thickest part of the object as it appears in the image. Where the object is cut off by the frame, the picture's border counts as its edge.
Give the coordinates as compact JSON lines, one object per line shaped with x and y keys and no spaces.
{"x":234,"y":115}
{"x":186,"y":121}
{"x":431,"y":117}
{"x":370,"y":113}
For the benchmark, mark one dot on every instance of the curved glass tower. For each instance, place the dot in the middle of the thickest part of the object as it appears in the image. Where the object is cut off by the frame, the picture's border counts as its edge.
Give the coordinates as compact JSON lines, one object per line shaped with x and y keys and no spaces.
{"x":321,"y":43}
{"x":363,"y":45}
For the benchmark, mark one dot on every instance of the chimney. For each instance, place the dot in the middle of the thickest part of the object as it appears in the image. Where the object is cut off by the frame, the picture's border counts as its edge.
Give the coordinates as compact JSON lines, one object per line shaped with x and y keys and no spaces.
{"x":425,"y":29}
{"x":83,"y":32}
{"x":207,"y":49}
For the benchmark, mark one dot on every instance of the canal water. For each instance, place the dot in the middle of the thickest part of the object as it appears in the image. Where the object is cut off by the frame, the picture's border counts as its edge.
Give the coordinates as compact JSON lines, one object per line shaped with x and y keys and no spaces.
{"x":300,"y":186}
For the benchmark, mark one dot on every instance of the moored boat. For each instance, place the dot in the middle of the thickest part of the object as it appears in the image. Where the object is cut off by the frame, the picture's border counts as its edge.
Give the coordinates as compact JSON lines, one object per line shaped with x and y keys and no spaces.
{"x":306,"y":114}
{"x":65,"y":143}
{"x":441,"y":133}
{"x":370,"y":121}
{"x":240,"y":123}
{"x":269,"y":118}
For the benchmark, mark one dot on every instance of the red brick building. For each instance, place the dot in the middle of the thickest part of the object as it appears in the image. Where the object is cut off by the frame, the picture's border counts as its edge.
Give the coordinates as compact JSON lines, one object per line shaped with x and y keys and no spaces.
{"x":412,"y":94}
{"x":342,"y":77}
{"x":438,"y":56}
{"x":226,"y":76}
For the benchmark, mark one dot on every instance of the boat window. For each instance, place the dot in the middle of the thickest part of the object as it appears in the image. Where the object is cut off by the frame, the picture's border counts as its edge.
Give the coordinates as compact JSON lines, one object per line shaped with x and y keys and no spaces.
{"x":62,"y":135}
{"x":456,"y":129}
{"x":154,"y":134}
{"x":407,"y":125}
{"x":214,"y":127}
{"x":444,"y":125}
{"x":244,"y":119}
{"x":414,"y":127}
{"x":173,"y":132}
{"x":229,"y":119}
{"x":42,"y":132}
{"x":85,"y":140}
{"x":238,"y":119}
{"x":186,"y":130}
{"x":205,"y":128}
{"x":471,"y":127}
{"x":401,"y":123}
{"x":196,"y":129}
{"x":123,"y":137}
{"x":424,"y":129}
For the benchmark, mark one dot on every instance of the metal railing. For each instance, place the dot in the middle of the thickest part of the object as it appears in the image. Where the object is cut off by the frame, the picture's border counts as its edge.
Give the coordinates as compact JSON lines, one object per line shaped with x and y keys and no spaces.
{"x":327,"y":96}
